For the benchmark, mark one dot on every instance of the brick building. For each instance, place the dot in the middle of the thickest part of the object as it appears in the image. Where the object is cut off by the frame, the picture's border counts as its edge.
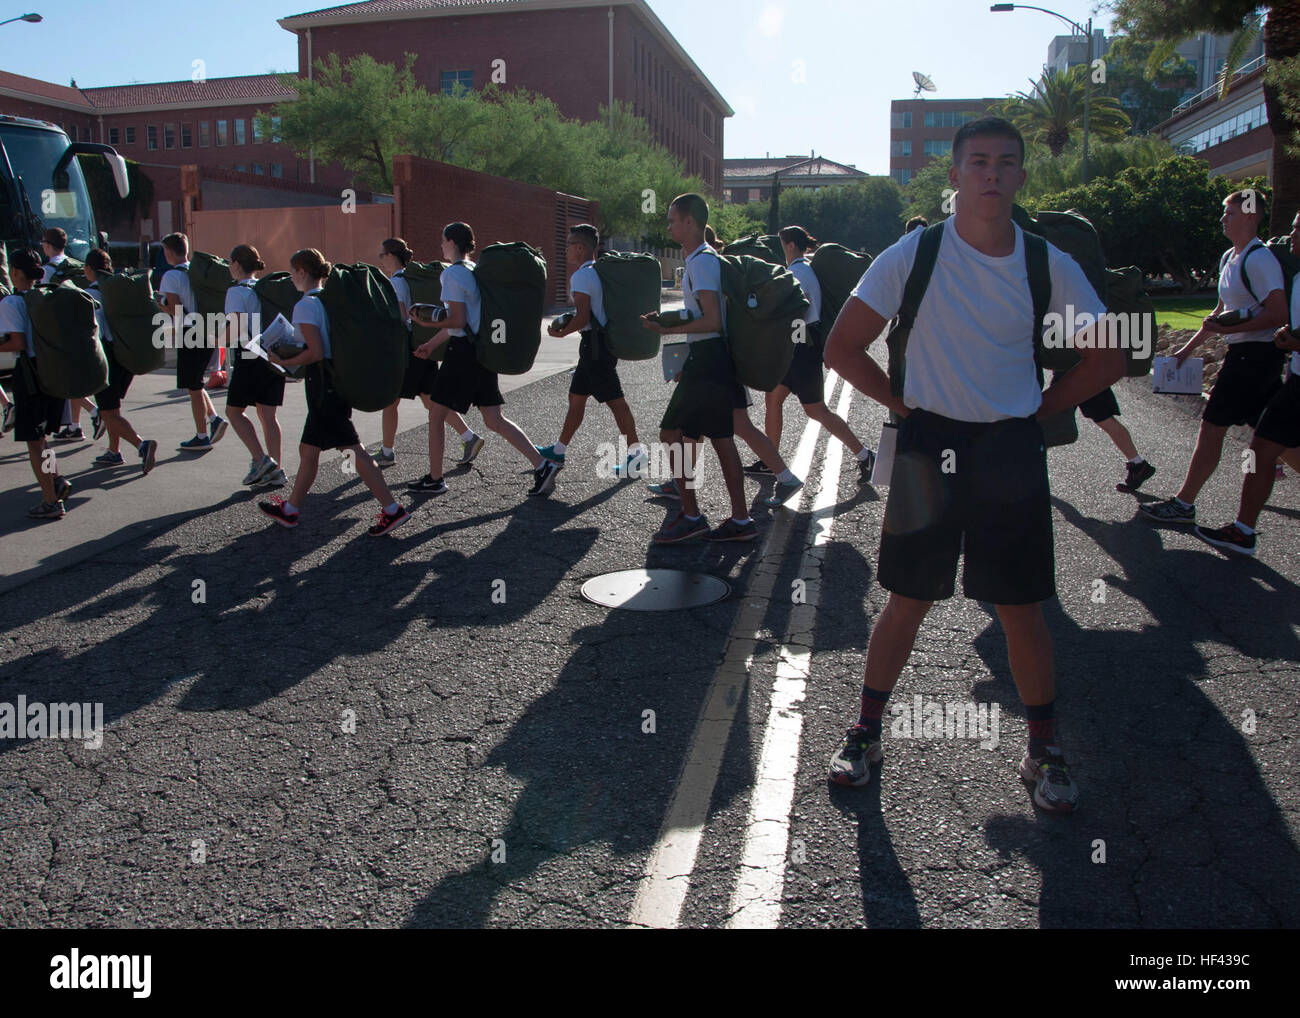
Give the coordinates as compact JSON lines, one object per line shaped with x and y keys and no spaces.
{"x":920,"y":129}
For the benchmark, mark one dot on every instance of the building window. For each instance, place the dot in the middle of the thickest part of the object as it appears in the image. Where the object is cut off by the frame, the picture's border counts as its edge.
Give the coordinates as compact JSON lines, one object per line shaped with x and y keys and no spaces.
{"x":72,"y":132}
{"x":130,"y":135}
{"x":241,"y":167}
{"x":708,"y":124}
{"x":240,"y":137}
{"x":277,"y":169}
{"x":205,"y":133}
{"x":151,"y":133}
{"x":112,"y":135}
{"x":169,"y":135}
{"x":937,"y":147}
{"x":949,"y":118}
{"x":221,"y":133}
{"x":257,"y":131}
{"x":900,"y":148}
{"x":187,"y":136}
{"x":902,"y":176}
{"x":259,"y":169}
{"x":450,"y":79}
{"x":275,"y":130}
{"x":900,"y":121}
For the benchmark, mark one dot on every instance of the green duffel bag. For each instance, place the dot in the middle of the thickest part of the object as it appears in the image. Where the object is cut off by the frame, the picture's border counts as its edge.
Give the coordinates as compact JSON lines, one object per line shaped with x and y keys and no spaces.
{"x":1125,"y":296}
{"x":631,"y":286}
{"x":70,"y":362}
{"x":512,"y":287}
{"x":368,"y":343}
{"x":766,"y":247}
{"x":278,"y":296}
{"x":131,"y":310}
{"x":70,"y":271}
{"x":764,"y":301}
{"x":209,"y":279}
{"x":839,"y":271}
{"x":425,"y":281}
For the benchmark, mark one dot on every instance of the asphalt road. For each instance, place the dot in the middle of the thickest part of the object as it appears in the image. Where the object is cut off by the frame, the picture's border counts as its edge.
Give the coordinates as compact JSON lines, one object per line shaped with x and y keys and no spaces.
{"x":434,"y":729}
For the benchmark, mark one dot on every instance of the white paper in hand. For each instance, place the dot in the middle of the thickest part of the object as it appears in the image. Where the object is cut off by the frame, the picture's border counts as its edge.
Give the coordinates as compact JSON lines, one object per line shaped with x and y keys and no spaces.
{"x":884,"y":467}
{"x":1167,"y":376}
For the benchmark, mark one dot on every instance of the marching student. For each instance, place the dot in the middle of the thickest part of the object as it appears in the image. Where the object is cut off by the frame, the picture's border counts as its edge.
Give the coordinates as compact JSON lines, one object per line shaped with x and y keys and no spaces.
{"x":597,"y":373}
{"x":1250,"y":282}
{"x":109,"y":399}
{"x":708,"y":396}
{"x":253,"y":381}
{"x":420,"y":373}
{"x":462,"y":381}
{"x":329,"y":418}
{"x":54,"y":242}
{"x":970,"y":479}
{"x":191,"y":364}
{"x":805,"y":378}
{"x":35,"y":414}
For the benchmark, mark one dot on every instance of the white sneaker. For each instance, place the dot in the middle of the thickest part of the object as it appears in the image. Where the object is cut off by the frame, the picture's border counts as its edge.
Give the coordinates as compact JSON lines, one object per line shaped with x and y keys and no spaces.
{"x":259,"y":469}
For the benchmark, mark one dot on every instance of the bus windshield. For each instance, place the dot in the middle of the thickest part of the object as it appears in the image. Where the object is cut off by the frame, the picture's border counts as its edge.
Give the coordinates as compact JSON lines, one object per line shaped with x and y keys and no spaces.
{"x":33,"y":154}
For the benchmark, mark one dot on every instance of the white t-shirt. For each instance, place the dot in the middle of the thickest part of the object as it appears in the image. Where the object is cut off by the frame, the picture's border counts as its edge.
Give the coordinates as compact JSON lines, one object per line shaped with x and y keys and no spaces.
{"x":1265,"y":277}
{"x":14,"y":318}
{"x":970,"y":356}
{"x":1295,"y":324}
{"x":703,"y":272}
{"x":105,"y":333}
{"x":403,"y":290}
{"x":176,"y":283}
{"x":241,"y":300}
{"x":459,"y":284}
{"x":811,"y":288}
{"x":585,"y":280}
{"x":52,"y":266}
{"x":310,"y":311}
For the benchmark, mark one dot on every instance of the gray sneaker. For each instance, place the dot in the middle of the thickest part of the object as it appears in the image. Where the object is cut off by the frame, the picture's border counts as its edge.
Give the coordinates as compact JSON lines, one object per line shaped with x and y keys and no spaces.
{"x":1168,"y":511}
{"x":851,"y":764}
{"x":733,"y":531}
{"x":1054,"y":789}
{"x":258,"y":469}
{"x":470,"y":450}
{"x":681,"y":529}
{"x":384,"y":460}
{"x":784,"y":492}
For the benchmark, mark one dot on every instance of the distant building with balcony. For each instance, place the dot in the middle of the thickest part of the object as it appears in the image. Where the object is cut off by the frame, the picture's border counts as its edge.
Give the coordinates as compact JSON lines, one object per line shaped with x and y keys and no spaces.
{"x":1232,"y":135}
{"x":746,"y":180}
{"x":921,"y":129}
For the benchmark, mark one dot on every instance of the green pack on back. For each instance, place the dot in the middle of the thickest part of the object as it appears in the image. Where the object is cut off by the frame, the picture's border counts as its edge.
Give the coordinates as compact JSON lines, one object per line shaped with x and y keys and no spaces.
{"x":1125,"y":296}
{"x":631,"y":286}
{"x":512,"y":287}
{"x":209,"y":279}
{"x":277,"y":296}
{"x":70,"y":362}
{"x":764,"y":303}
{"x":1281,"y":248}
{"x":839,"y":271}
{"x":130,"y":308}
{"x":425,"y":281}
{"x":70,"y":271}
{"x":766,"y":247}
{"x":368,"y":343}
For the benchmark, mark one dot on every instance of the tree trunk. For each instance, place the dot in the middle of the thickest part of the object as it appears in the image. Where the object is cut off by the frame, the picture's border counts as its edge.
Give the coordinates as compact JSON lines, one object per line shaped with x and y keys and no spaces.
{"x":1282,"y":40}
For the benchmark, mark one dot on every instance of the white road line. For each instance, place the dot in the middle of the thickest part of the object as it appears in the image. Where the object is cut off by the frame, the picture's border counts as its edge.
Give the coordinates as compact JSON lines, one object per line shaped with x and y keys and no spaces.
{"x":668,"y":870}
{"x":756,"y":900}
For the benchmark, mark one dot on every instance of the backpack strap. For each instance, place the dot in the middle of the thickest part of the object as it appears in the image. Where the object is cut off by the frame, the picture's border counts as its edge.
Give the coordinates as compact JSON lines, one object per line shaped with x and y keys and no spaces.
{"x":1040,"y":290}
{"x":1245,"y":276}
{"x":927,"y":253}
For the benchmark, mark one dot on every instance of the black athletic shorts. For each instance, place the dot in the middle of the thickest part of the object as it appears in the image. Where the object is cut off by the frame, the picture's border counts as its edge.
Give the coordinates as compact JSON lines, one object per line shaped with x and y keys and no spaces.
{"x":1250,"y":376}
{"x":254,"y":382}
{"x":805,"y":377}
{"x":707,"y":393}
{"x":419,"y":376}
{"x":462,"y":381}
{"x":329,"y":419}
{"x":191,"y":366}
{"x":119,"y":380}
{"x":1281,"y":420}
{"x":597,"y":371}
{"x":35,"y":414}
{"x":1101,"y":407}
{"x":973,"y":490}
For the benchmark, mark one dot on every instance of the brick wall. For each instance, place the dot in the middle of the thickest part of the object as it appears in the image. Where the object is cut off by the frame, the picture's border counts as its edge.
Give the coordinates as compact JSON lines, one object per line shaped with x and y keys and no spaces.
{"x":429,"y":195}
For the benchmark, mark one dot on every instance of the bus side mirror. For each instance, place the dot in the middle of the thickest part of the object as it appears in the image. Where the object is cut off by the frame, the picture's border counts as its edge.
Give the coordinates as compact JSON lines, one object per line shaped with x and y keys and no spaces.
{"x":118,"y":165}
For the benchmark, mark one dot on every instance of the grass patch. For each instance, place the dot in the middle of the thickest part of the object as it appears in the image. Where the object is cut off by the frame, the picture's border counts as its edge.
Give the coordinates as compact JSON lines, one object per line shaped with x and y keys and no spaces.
{"x":1183,"y":312}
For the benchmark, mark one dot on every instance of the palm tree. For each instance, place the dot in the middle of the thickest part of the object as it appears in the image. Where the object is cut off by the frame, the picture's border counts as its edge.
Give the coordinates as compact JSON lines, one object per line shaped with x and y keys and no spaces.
{"x":1171,"y":20}
{"x":1053,"y":110}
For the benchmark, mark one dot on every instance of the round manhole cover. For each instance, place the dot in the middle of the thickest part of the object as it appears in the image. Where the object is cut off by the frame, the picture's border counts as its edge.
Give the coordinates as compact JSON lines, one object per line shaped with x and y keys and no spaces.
{"x":655,"y":590}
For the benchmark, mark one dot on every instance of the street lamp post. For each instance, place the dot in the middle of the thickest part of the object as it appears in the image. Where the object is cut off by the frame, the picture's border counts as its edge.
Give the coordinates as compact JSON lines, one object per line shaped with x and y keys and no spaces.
{"x":33,"y":18}
{"x":1087,"y":78}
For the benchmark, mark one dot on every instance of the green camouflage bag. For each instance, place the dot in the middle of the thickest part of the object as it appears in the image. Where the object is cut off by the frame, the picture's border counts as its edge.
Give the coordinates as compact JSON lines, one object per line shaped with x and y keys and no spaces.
{"x":631,"y":285}
{"x":368,"y":343}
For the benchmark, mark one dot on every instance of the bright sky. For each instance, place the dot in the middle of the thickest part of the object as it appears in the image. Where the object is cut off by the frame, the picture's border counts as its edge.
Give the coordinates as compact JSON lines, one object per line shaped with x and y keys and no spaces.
{"x":857,"y":55}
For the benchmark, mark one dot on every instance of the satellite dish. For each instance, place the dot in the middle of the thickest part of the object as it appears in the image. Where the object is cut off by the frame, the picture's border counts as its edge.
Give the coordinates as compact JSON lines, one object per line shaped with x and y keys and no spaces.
{"x":923,"y":83}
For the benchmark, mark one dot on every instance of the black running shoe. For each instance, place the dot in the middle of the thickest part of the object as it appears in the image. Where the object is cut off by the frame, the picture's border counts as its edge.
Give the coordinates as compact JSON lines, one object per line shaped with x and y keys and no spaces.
{"x":1138,"y":475}
{"x":758,"y":467}
{"x":428,"y":485}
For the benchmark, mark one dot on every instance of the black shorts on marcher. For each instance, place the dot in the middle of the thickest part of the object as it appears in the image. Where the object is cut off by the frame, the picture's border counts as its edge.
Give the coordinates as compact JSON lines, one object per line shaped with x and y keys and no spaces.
{"x":707,"y":393}
{"x":191,"y":366}
{"x":1101,"y":407}
{"x":1250,"y":377}
{"x":119,"y":380}
{"x":254,"y":382}
{"x":973,"y":491}
{"x":462,"y":381}
{"x":805,"y":377}
{"x":35,"y":414}
{"x":419,"y":376}
{"x":1281,"y":420}
{"x":329,"y":418}
{"x":597,"y":371}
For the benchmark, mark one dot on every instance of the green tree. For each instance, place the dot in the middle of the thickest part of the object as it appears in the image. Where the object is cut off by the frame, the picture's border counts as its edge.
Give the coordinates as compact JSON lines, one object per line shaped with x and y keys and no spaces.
{"x":1053,"y":110}
{"x":866,"y":215}
{"x":1171,"y":20}
{"x":733,"y":221}
{"x":1148,"y":96}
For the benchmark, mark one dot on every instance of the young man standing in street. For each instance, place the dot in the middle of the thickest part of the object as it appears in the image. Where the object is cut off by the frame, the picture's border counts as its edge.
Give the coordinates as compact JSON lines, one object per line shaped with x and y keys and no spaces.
{"x":970,"y":474}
